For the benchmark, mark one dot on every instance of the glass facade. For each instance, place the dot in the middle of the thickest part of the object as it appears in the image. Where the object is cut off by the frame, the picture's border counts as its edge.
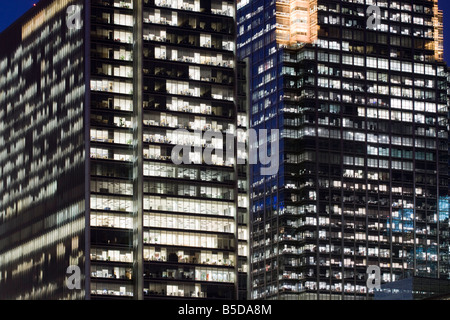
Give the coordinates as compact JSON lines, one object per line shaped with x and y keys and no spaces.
{"x":153,"y":75}
{"x":363,"y":173}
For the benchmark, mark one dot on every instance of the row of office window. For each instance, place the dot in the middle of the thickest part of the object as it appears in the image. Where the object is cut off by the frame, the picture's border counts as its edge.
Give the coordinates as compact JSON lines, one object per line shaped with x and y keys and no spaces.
{"x":382,"y":77}
{"x":360,"y":60}
{"x":359,"y":136}
{"x":167,"y":170}
{"x":191,"y":256}
{"x":203,"y":40}
{"x":220,"y":8}
{"x":190,"y":56}
{"x":397,"y":5}
{"x":188,"y":206}
{"x":380,"y":63}
{"x":189,"y":190}
{"x":189,"y":122}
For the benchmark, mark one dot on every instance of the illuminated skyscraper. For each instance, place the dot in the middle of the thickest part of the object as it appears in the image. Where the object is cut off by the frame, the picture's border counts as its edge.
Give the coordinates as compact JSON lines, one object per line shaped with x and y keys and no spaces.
{"x":363,"y":176}
{"x":90,"y":111}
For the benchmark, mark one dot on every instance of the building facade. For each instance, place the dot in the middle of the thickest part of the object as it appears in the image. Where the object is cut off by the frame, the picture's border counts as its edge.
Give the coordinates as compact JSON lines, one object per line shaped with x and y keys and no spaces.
{"x":362,"y":109}
{"x":90,"y":115}
{"x":414,"y":288}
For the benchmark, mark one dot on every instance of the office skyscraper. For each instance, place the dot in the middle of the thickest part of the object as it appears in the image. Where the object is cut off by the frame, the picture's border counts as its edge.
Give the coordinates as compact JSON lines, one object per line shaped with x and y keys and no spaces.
{"x":93,"y":97}
{"x":362,"y":108}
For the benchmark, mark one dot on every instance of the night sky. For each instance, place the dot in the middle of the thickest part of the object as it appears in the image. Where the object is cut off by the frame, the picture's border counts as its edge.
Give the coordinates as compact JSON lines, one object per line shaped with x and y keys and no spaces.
{"x":11,"y":10}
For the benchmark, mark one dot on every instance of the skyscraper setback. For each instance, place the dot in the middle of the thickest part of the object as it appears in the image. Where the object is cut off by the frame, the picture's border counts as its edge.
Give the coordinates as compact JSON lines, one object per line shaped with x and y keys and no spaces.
{"x":90,"y":113}
{"x":363,"y":176}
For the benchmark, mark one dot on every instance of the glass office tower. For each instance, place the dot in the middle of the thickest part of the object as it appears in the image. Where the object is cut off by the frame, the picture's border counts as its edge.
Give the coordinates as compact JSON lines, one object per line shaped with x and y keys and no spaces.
{"x":117,"y":95}
{"x":363,"y":176}
{"x":42,"y":155}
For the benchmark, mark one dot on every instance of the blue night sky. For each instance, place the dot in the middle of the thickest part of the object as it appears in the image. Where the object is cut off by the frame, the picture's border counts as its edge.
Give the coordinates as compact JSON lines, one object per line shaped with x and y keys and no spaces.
{"x":11,"y":10}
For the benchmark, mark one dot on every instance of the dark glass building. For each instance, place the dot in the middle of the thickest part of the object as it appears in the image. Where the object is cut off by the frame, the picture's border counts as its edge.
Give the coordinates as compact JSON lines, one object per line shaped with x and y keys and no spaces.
{"x":414,"y":288}
{"x":90,"y":113}
{"x":43,"y":203}
{"x":363,"y":178}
